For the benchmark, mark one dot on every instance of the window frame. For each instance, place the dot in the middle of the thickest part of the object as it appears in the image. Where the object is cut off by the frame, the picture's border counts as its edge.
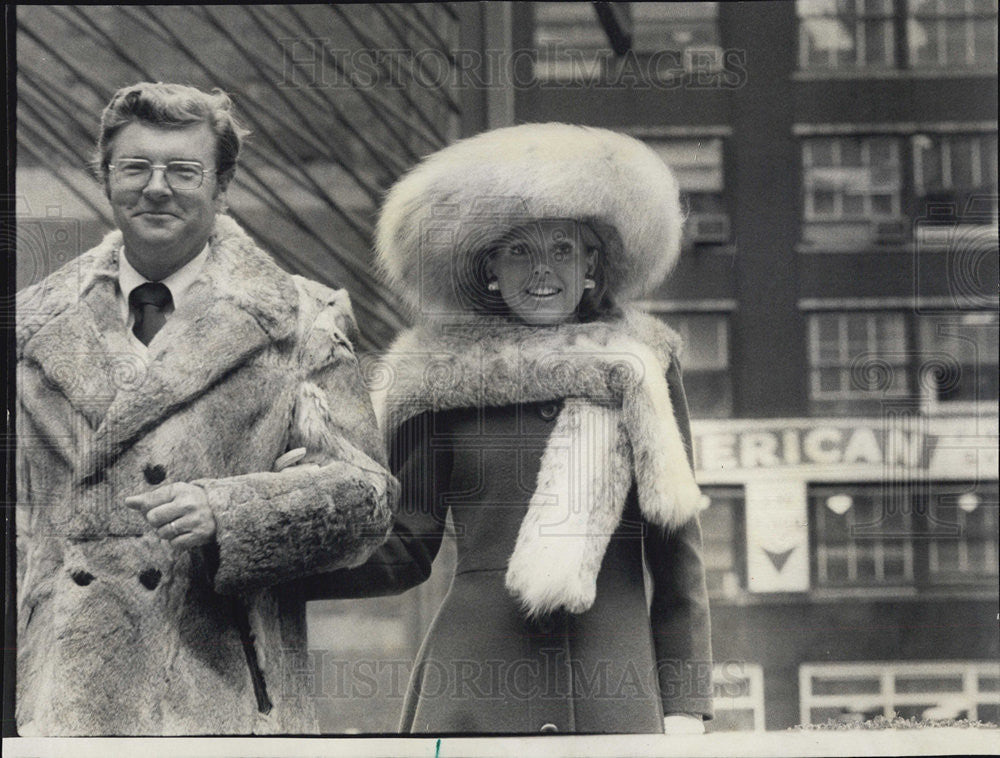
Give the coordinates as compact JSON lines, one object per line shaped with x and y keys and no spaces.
{"x":846,"y":364}
{"x":915,"y":359}
{"x":980,"y":141}
{"x":929,"y":400}
{"x":673,"y":319}
{"x":937,"y":20}
{"x":593,"y":63}
{"x":735,"y":495}
{"x":752,"y":700}
{"x":706,"y":15}
{"x":886,"y":672}
{"x":857,"y":19}
{"x":920,"y":531}
{"x":867,"y":214}
{"x":816,"y":495}
{"x":964,"y":575}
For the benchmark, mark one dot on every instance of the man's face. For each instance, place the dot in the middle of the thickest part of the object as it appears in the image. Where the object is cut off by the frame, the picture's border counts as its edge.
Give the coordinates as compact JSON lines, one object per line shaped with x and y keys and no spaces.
{"x":164,"y":228}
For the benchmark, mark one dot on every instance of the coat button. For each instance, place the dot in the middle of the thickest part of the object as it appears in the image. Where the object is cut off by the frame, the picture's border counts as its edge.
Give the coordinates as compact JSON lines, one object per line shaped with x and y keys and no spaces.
{"x":150,"y":578}
{"x":549,"y":728}
{"x":548,"y":411}
{"x":154,"y":474}
{"x":83,"y":578}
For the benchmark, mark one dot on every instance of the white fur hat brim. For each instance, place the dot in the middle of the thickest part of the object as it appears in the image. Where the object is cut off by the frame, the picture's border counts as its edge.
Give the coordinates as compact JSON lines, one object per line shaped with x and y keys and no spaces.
{"x":465,"y":196}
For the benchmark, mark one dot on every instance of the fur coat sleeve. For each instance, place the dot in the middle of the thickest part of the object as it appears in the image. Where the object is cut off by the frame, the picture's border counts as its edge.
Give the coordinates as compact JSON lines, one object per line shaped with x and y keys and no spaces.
{"x":334,"y":507}
{"x":679,"y":612}
{"x":405,"y":559}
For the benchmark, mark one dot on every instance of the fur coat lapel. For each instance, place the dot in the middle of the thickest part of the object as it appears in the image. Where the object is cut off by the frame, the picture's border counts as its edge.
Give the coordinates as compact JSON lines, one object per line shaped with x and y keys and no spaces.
{"x":617,"y":426}
{"x":74,"y":332}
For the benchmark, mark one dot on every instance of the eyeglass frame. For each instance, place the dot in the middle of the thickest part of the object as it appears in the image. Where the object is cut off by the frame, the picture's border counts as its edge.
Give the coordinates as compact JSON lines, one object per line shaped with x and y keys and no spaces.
{"x":164,"y":166}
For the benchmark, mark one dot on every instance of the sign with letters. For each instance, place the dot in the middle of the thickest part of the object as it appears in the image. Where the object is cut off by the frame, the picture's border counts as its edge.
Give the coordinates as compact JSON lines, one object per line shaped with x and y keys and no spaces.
{"x":856,"y":449}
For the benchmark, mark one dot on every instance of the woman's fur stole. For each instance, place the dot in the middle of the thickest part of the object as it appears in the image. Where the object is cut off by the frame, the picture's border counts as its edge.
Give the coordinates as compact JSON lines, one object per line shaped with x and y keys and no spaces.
{"x":616,"y":426}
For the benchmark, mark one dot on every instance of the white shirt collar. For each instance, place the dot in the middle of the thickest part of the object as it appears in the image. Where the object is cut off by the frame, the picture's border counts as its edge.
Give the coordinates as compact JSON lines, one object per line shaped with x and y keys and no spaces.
{"x":178,"y":282}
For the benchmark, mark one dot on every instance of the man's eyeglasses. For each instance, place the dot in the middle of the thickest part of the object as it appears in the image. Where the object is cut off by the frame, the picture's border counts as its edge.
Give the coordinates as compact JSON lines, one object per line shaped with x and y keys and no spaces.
{"x":135,"y":173}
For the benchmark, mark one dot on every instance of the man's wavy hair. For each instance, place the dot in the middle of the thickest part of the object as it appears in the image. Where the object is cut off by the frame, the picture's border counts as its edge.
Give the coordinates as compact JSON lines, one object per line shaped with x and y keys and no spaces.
{"x":168,"y":105}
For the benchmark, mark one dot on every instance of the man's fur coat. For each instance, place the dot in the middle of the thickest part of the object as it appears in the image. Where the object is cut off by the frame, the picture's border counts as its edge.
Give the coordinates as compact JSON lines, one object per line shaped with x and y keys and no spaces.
{"x":118,"y":633}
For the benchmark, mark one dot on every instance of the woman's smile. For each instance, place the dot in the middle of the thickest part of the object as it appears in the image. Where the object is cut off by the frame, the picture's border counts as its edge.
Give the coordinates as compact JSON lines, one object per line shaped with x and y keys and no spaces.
{"x":543,"y":291}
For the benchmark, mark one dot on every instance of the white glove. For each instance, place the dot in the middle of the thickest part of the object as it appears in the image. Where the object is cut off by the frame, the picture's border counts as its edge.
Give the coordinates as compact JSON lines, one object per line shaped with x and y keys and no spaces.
{"x":683,"y":723}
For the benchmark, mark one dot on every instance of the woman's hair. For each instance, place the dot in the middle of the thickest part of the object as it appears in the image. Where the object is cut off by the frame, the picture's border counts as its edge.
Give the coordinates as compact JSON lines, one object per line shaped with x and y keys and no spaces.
{"x":173,"y":105}
{"x":596,"y":303}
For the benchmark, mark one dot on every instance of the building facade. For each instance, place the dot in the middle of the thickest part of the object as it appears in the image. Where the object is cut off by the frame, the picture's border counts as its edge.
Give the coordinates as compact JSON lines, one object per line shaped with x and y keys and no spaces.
{"x":838,"y":296}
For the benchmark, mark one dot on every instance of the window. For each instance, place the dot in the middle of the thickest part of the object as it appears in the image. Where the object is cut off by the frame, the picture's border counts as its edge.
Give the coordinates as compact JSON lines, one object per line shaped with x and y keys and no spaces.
{"x":929,"y":689}
{"x":570,"y":42}
{"x":697,"y":164}
{"x":739,"y":697}
{"x":705,"y":361}
{"x":724,"y":540}
{"x":959,"y":368}
{"x":850,"y":177}
{"x":856,"y":359}
{"x":844,"y":34}
{"x":952,"y":33}
{"x":963,"y":522}
{"x":845,"y":554}
{"x":925,"y":534}
{"x":956,"y":169}
{"x":861,"y":34}
{"x":674,"y":26}
{"x":572,"y":46}
{"x":852,"y":188}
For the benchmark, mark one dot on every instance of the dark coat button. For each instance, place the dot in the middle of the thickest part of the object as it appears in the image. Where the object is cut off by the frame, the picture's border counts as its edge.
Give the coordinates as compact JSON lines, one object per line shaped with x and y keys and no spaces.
{"x":549,"y":728}
{"x":83,"y":578}
{"x":154,"y":474}
{"x":150,"y":578}
{"x":548,"y":411}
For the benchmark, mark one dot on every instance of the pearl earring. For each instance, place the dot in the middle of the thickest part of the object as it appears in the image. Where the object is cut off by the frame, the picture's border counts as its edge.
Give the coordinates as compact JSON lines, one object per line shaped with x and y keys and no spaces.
{"x":589,"y":284}
{"x":493,"y":285}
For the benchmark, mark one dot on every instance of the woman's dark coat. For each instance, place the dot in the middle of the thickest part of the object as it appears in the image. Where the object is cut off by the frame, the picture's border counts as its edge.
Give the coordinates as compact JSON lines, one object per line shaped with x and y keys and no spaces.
{"x":483,"y":667}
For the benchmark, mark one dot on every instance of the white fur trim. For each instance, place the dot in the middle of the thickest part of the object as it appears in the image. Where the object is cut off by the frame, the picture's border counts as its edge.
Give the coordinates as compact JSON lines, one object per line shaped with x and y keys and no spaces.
{"x":668,"y":494}
{"x":583,"y":481}
{"x":617,"y":424}
{"x":465,"y":196}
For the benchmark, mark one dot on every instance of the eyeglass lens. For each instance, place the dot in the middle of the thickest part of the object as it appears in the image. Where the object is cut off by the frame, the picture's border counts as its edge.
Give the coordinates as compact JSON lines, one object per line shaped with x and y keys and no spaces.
{"x":179,"y":175}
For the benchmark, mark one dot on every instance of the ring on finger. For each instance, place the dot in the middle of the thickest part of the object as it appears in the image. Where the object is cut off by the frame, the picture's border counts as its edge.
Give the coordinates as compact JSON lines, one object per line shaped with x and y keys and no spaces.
{"x":174,"y":531}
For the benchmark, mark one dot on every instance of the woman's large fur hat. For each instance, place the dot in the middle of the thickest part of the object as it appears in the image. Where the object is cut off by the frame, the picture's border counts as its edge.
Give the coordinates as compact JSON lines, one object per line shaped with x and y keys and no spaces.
{"x":439,"y":219}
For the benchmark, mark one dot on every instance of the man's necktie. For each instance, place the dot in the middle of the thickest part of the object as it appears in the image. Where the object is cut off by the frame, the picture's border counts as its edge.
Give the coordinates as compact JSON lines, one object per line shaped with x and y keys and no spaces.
{"x":148,"y":302}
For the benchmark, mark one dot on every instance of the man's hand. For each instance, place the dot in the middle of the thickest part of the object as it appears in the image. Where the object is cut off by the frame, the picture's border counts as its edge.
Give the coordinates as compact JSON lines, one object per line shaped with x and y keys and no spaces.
{"x":179,"y":512}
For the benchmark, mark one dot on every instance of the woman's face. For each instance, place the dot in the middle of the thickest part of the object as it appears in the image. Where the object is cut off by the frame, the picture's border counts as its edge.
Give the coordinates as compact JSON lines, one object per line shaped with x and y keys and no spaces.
{"x":540,"y":269}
